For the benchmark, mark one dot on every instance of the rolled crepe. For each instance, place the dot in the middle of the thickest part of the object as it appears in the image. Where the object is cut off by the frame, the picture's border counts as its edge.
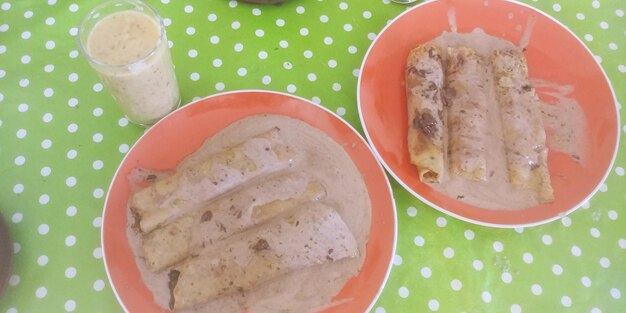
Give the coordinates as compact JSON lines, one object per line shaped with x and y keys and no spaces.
{"x":310,"y":235}
{"x":524,"y":135}
{"x":172,"y":196}
{"x":467,"y":77}
{"x":230,"y":214}
{"x":424,"y":83}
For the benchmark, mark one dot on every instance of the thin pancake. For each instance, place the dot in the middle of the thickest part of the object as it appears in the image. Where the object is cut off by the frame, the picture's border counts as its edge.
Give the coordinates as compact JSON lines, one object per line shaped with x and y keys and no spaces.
{"x":172,"y":196}
{"x":524,"y":135}
{"x":466,"y":80}
{"x":424,"y":83}
{"x":232,"y":213}
{"x":310,"y":235}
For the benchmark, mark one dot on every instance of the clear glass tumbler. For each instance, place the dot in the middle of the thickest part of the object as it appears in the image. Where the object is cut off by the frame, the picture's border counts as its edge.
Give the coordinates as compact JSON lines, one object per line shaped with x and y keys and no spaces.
{"x":125,"y":42}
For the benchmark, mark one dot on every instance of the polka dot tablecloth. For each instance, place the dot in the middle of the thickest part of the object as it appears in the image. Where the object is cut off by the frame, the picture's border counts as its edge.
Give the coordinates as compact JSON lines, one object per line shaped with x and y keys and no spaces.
{"x":62,"y":138}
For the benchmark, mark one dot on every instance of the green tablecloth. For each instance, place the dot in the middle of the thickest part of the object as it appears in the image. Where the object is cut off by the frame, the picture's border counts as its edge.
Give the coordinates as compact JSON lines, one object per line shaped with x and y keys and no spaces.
{"x":62,"y":138}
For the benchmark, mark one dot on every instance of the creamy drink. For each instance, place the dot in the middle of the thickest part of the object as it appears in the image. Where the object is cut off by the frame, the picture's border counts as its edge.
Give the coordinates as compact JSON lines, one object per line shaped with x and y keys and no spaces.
{"x":125,"y":43}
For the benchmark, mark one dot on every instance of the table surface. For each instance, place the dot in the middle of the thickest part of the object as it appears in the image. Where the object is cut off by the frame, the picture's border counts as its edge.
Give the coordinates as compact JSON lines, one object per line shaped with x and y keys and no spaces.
{"x":62,"y":138}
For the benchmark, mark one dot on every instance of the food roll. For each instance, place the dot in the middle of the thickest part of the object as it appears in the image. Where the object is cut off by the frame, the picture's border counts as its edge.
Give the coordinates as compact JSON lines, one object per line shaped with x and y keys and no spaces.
{"x":172,"y":196}
{"x":467,"y":77}
{"x":225,"y":216}
{"x":424,"y":83}
{"x":523,"y":132}
{"x":312,"y":234}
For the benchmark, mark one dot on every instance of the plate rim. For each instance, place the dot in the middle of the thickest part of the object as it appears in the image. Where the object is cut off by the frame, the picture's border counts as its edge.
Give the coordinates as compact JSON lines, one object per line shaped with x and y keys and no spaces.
{"x":379,"y":167}
{"x":455,"y":215}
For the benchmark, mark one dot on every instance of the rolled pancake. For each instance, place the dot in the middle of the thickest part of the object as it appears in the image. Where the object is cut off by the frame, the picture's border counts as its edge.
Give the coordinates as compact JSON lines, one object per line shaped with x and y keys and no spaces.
{"x":172,"y":196}
{"x":466,"y":79}
{"x":310,"y":235}
{"x":230,"y":214}
{"x":523,"y":132}
{"x":424,"y":83}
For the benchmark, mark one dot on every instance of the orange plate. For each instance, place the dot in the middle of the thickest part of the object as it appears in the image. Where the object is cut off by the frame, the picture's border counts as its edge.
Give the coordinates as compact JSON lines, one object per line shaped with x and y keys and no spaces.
{"x":554,"y":54}
{"x":165,"y":144}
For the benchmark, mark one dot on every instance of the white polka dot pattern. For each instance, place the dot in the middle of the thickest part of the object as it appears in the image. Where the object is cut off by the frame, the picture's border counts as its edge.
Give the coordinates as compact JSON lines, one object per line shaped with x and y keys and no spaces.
{"x":66,"y":138}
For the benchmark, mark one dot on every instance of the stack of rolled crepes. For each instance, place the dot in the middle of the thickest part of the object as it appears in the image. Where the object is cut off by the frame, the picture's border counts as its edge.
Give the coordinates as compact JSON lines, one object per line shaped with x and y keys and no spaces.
{"x":447,"y":92}
{"x":236,"y":220}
